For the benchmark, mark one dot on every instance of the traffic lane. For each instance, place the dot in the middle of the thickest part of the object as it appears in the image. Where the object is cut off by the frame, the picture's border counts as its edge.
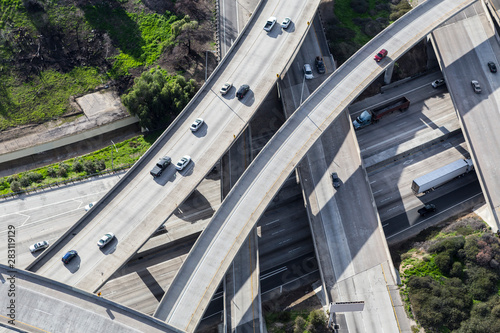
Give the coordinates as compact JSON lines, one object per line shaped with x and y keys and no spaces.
{"x":47,"y":215}
{"x":448,"y":205}
{"x":391,"y":186}
{"x":466,"y":62}
{"x":288,"y":272}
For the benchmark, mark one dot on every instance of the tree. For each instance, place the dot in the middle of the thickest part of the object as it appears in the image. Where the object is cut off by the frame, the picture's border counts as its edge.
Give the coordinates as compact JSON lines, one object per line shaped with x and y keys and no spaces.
{"x":89,"y":167}
{"x":183,"y":30}
{"x":15,"y":186}
{"x":157,"y":98}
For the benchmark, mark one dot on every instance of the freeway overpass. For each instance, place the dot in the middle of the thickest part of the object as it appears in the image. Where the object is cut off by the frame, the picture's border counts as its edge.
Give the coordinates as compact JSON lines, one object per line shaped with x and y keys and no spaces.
{"x":42,"y":305}
{"x":187,"y":297}
{"x":138,"y":204}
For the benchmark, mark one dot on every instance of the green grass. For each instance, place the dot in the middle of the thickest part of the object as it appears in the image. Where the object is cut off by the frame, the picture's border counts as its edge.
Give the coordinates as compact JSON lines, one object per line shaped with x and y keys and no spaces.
{"x":45,"y":97}
{"x":140,"y":38}
{"x":129,"y":151}
{"x":346,"y":15}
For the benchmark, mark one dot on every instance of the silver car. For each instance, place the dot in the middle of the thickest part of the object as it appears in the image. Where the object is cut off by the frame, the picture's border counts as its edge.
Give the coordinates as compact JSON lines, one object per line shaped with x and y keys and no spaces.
{"x":225,"y":88}
{"x":183,"y":162}
{"x":105,"y":239}
{"x":475,"y":86}
{"x":308,"y":72}
{"x":196,"y":125}
{"x":39,"y":246}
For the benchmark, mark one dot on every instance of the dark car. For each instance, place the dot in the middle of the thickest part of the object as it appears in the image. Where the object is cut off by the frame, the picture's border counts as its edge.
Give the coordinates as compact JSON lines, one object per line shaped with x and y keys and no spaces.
{"x":492,"y":67}
{"x":68,"y":256}
{"x":381,"y":55}
{"x":429,"y":208}
{"x":320,"y":65}
{"x":242,"y":91}
{"x":335,"y":180}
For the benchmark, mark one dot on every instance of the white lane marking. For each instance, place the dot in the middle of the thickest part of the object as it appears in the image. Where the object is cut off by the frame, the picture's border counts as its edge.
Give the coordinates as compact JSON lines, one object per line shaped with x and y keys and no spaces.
{"x":384,"y":200}
{"x":272,"y":222}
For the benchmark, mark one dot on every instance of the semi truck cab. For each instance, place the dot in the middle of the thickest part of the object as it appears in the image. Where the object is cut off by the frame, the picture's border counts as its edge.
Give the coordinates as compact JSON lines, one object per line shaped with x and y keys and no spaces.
{"x":364,"y":119}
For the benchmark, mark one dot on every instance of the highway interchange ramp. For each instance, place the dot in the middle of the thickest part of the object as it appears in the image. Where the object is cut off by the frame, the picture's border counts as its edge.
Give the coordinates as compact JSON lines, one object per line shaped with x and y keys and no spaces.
{"x":191,"y":290}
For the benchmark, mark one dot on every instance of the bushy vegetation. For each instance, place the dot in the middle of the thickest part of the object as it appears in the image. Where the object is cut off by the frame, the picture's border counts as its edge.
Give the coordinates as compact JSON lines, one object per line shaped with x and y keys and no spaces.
{"x":297,"y":322}
{"x":157,"y":98}
{"x":358,"y":21}
{"x":129,"y":151}
{"x":451,"y":283}
{"x":52,"y":50}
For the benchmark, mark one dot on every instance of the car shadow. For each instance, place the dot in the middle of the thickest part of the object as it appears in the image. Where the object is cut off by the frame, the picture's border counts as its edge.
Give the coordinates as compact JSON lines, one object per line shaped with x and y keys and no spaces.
{"x":202,"y":131}
{"x":249,"y":98}
{"x":74,"y":265}
{"x":188,"y":171}
{"x":110,"y":247}
{"x":290,"y":29}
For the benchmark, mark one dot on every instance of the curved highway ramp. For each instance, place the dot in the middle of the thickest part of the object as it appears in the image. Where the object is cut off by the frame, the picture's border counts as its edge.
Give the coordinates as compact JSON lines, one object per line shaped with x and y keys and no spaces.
{"x":190,"y":292}
{"x":139,"y":203}
{"x":35,"y":304}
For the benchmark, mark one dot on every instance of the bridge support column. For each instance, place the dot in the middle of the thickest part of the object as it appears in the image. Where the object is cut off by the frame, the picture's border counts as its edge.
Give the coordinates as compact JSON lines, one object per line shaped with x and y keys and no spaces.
{"x":388,"y":73}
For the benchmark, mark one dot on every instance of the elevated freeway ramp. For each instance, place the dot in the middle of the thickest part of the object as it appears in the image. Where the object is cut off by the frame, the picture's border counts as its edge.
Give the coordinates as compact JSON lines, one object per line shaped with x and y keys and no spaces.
{"x":139,"y":204}
{"x":188,"y":295}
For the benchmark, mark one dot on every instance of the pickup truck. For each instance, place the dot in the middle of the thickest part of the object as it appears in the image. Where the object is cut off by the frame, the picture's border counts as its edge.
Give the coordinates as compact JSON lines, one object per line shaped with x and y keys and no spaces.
{"x":160,"y":166}
{"x":270,"y":23}
{"x":429,"y":208}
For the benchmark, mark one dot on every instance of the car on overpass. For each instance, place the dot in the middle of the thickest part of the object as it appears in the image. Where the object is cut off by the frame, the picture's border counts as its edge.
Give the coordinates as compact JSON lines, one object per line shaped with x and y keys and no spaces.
{"x":196,"y":125}
{"x":335,"y":180}
{"x":286,"y":22}
{"x":69,"y":256}
{"x":225,"y":88}
{"x":381,"y":55}
{"x":39,"y":246}
{"x":242,"y":91}
{"x":183,"y":162}
{"x":108,"y":237}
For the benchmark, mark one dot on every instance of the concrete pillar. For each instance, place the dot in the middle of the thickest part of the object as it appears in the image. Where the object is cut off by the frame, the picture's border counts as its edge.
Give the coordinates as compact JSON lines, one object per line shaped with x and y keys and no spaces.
{"x":388,"y":73}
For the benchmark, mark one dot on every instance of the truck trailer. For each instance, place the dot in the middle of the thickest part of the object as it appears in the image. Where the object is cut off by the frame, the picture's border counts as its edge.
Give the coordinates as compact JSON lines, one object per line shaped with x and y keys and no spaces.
{"x":368,"y":117}
{"x":442,"y":175}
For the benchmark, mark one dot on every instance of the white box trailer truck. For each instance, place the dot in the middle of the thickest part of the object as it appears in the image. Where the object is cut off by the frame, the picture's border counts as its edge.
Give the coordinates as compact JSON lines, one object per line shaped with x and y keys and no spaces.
{"x":442,"y":175}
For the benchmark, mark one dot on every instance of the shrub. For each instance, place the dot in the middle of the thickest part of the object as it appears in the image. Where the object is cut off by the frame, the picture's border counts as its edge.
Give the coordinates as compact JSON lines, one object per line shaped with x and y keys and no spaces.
{"x":62,"y":171}
{"x":482,"y":283}
{"x":299,"y":325}
{"x":15,"y":186}
{"x":100,"y":165}
{"x":456,"y":269}
{"x":448,"y":244}
{"x":34,"y":177}
{"x":89,"y":167}
{"x":25,"y":181}
{"x":317,"y":318}
{"x":51,"y":172}
{"x":77,"y":166}
{"x":443,"y":261}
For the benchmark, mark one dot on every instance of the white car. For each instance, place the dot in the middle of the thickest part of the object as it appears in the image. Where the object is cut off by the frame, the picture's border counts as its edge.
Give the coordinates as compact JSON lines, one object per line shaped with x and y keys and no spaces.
{"x":105,"y":239}
{"x":196,"y":124}
{"x":476,"y":86}
{"x":90,"y":205}
{"x":183,"y":162}
{"x":286,"y":22}
{"x":225,"y":88}
{"x":308,"y":71}
{"x":39,"y":246}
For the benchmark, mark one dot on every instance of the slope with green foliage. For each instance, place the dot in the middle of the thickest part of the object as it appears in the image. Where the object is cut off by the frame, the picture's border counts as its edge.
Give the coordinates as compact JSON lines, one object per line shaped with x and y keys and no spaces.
{"x":51,"y":50}
{"x":451,"y":282}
